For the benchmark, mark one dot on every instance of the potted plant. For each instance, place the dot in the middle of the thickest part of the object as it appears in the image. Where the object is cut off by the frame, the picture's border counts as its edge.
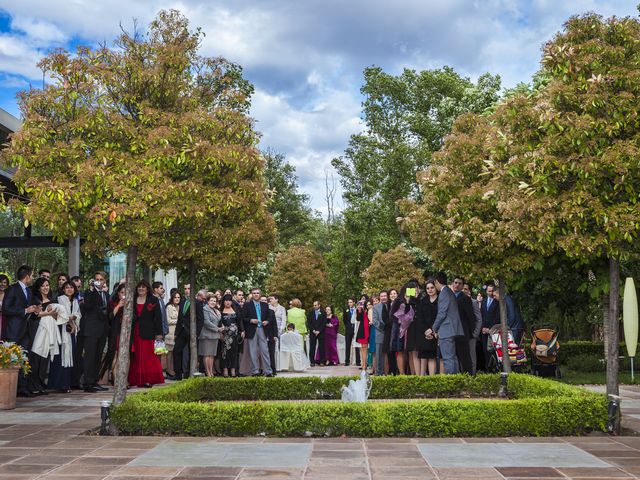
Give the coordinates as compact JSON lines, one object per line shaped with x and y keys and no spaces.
{"x":13,"y":358}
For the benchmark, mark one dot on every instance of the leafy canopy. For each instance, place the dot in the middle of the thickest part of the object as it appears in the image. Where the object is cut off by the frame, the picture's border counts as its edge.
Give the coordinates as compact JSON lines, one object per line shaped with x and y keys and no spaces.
{"x":300,"y":272}
{"x":147,"y":144}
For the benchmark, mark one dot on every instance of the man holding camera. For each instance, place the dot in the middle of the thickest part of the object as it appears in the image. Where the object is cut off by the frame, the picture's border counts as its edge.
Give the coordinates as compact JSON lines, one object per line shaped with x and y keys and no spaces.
{"x":94,"y":329}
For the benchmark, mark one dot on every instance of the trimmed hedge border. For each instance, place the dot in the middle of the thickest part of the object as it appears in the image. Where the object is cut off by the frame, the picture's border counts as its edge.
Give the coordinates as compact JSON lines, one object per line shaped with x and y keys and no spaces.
{"x":201,"y":407}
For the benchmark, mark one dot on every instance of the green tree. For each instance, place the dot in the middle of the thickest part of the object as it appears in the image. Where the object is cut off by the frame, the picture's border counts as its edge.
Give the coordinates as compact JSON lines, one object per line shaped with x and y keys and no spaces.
{"x":300,"y":272}
{"x":575,"y":184}
{"x":145,"y":147}
{"x":390,"y":269}
{"x":289,"y":207}
{"x":459,"y":201}
{"x":406,"y":119}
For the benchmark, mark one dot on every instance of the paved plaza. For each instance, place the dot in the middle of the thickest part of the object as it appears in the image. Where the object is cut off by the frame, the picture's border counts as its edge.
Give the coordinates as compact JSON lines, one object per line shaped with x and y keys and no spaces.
{"x":46,"y":438}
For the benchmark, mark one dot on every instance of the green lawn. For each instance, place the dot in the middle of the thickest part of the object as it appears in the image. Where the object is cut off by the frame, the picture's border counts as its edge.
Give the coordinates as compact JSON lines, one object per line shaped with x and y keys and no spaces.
{"x":595,"y":378}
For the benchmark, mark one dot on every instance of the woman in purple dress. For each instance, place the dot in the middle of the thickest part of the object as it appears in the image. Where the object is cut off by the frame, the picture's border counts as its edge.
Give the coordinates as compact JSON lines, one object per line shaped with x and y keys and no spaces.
{"x":331,"y":337}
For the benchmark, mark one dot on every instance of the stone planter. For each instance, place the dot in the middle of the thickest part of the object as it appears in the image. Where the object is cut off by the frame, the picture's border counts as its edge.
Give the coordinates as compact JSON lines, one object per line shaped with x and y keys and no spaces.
{"x":8,"y":388}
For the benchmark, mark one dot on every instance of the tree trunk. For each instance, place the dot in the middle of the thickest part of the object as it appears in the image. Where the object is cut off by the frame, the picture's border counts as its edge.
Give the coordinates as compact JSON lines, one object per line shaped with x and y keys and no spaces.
{"x":606,"y":314}
{"x":193,"y":338}
{"x":504,"y":330}
{"x":612,"y":333}
{"x":122,"y":370}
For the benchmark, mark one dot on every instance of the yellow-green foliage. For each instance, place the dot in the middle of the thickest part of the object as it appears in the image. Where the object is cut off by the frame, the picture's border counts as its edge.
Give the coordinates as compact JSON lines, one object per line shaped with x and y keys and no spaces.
{"x":390,"y":269}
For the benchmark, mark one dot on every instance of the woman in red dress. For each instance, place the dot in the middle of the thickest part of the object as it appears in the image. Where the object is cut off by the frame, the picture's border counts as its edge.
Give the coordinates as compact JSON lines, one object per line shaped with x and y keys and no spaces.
{"x":145,"y":369}
{"x":362,"y":334}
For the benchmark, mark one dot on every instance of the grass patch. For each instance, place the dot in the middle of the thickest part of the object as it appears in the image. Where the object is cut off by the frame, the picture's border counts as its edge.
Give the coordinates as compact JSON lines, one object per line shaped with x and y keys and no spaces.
{"x":254,"y":406}
{"x":574,"y":377}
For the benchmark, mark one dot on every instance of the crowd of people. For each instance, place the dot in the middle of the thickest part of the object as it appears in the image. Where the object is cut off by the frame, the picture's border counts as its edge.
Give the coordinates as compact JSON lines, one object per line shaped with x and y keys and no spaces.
{"x":72,"y":333}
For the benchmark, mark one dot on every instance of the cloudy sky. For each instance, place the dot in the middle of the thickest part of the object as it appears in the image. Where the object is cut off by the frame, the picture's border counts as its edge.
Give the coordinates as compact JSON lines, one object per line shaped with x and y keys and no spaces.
{"x":306,"y":57}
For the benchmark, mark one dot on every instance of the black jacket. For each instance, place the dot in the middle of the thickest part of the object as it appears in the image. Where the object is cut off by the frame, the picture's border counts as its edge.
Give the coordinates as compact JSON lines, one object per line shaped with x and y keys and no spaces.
{"x":346,"y":319}
{"x":95,"y":320}
{"x":467,"y":315}
{"x":249,"y":313}
{"x":150,"y":319}
{"x":184,"y":319}
{"x":14,"y":319}
{"x":318,"y":324}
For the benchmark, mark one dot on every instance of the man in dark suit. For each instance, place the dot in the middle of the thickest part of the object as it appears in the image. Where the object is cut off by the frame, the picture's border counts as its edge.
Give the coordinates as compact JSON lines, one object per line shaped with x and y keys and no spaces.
{"x":347,"y":316}
{"x":490,"y":310}
{"x":183,"y":329}
{"x":316,"y":323}
{"x":272,"y":335}
{"x":468,"y":320}
{"x":94,"y":329}
{"x":15,"y":309}
{"x":258,"y":322}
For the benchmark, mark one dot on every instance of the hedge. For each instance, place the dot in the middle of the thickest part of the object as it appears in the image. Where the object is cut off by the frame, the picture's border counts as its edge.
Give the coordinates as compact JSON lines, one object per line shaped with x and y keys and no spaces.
{"x":316,"y":388}
{"x":537,"y":407}
{"x":575,"y":348}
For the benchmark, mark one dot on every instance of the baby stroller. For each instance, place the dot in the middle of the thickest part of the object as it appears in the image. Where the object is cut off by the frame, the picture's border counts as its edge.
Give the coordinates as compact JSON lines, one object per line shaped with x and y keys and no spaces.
{"x":544,"y":349}
{"x":517,"y":355}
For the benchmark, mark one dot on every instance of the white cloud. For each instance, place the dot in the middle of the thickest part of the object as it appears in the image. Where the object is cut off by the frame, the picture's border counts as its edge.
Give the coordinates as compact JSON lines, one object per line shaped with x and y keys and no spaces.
{"x":17,"y":57}
{"x":306,"y":57}
{"x":38,"y":32}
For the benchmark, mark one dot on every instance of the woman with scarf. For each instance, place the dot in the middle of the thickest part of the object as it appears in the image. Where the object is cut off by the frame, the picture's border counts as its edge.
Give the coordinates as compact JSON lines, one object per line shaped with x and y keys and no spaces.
{"x":402,"y":312}
{"x":61,"y":367}
{"x":39,"y":361}
{"x":233,"y":332}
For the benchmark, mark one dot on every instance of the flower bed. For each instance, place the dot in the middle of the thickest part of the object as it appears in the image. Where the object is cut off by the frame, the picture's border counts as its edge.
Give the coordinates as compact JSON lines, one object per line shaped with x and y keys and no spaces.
{"x":250,"y":406}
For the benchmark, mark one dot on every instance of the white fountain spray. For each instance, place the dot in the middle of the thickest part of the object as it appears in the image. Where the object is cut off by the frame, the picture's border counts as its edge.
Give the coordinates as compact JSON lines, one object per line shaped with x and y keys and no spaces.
{"x":358,"y":390}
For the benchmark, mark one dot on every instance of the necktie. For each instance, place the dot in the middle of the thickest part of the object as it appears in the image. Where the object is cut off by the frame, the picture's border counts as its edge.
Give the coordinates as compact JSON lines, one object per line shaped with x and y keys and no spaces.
{"x":489,"y":300}
{"x":185,"y":307}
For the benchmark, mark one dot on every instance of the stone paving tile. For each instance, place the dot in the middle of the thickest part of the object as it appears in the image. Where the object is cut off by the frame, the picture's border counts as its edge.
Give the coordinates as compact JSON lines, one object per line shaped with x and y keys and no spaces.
{"x":137,"y":477}
{"x":535,"y":440}
{"x":339,"y":447}
{"x":508,"y":455}
{"x":594,"y":473}
{"x":335,"y":471}
{"x":271,"y":473}
{"x":75,"y":469}
{"x":331,"y":462}
{"x":624,"y":462}
{"x":522,"y":472}
{"x":12,"y":468}
{"x":43,"y":460}
{"x":8,"y":458}
{"x":147,"y":470}
{"x":398,"y":471}
{"x":209,"y":477}
{"x":216,"y":471}
{"x":75,"y":477}
{"x":334,"y":454}
{"x":384,"y":461}
{"x":447,"y":473}
{"x":102,"y":461}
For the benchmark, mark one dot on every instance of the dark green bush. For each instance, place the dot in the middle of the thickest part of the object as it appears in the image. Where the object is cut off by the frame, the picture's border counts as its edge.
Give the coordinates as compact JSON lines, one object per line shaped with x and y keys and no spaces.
{"x":586,"y":363}
{"x":538,"y":407}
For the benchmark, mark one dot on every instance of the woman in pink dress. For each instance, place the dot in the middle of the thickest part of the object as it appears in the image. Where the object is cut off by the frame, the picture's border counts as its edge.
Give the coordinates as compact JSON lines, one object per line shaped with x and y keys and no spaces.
{"x":145,"y":369}
{"x":331,"y":337}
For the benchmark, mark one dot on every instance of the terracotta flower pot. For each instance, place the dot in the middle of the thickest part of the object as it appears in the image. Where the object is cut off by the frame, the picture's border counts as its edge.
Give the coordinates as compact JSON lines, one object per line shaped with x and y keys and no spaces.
{"x":8,"y":388}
